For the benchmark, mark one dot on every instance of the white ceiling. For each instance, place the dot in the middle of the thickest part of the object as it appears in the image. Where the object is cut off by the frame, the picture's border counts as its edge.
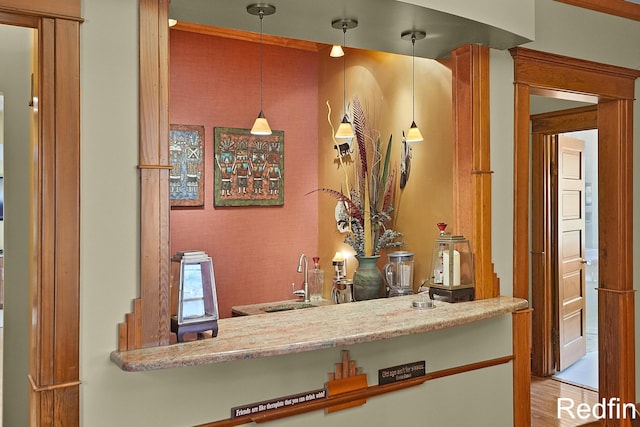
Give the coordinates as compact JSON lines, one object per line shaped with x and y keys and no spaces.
{"x":380,"y":23}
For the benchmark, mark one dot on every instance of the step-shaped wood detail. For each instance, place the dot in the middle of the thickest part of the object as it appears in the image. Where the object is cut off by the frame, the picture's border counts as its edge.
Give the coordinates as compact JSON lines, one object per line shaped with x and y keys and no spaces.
{"x":129,"y":330}
{"x":344,"y":379}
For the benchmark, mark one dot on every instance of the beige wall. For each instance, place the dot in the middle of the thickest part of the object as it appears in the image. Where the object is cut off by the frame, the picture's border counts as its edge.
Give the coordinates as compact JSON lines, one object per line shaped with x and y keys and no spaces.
{"x":109,"y":273}
{"x":187,"y":396}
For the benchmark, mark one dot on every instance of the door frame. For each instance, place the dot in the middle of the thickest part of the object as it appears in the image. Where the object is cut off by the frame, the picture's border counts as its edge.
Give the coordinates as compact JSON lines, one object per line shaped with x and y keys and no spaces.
{"x":544,"y":126}
{"x":54,"y":241}
{"x":612,"y":88}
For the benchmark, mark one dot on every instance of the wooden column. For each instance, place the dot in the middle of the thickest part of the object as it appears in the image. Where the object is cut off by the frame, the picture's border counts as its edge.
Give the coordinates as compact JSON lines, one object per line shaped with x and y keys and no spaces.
{"x":471,"y":169}
{"x":615,"y":260}
{"x":54,"y":395}
{"x":521,"y":330}
{"x":149,"y":323}
{"x":616,"y":348}
{"x":521,"y":193}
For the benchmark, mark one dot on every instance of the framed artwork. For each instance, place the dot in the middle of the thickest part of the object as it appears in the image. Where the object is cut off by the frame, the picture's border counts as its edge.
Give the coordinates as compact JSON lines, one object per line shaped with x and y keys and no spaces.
{"x":186,"y":152}
{"x":249,"y":169}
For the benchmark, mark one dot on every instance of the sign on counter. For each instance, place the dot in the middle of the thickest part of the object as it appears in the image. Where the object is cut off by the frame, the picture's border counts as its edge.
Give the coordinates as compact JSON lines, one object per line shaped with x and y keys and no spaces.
{"x":401,"y":372}
{"x":280,"y":402}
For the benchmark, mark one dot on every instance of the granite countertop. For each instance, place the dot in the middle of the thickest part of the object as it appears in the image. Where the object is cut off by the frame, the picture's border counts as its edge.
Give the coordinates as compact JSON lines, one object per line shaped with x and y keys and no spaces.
{"x":314,"y":328}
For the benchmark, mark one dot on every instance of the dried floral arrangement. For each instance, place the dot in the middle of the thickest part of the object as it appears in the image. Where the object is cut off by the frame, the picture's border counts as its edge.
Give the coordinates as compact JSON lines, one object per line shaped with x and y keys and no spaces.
{"x":367,"y":206}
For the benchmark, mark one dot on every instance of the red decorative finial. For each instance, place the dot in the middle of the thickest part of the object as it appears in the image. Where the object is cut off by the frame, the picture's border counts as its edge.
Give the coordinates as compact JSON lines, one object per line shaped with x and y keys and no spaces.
{"x":316,"y":259}
{"x":441,"y":227}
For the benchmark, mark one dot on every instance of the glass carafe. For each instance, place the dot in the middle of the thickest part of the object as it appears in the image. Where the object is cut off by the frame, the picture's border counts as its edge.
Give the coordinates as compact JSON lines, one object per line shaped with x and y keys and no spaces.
{"x":398,"y":273}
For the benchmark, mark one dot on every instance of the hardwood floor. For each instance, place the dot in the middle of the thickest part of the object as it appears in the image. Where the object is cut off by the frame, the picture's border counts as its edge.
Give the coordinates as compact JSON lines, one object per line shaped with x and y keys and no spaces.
{"x":544,"y":403}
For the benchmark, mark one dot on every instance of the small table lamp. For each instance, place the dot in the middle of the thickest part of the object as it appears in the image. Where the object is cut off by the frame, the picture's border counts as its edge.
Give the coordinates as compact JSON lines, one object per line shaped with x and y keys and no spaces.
{"x":195,"y":307}
{"x":452,"y":274}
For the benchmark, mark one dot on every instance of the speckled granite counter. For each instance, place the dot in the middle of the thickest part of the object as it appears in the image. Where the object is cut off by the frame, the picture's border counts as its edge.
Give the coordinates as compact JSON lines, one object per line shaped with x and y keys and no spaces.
{"x":316,"y":328}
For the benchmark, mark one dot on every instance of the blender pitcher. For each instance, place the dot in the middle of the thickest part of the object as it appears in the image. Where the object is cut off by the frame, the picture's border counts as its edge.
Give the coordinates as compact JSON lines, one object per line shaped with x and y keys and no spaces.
{"x":398,"y":273}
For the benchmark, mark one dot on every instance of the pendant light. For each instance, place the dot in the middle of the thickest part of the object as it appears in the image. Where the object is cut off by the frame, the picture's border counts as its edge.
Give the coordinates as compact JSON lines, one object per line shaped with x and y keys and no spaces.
{"x":414,"y":134}
{"x":261,"y":126}
{"x":336,"y":51}
{"x":345,"y":130}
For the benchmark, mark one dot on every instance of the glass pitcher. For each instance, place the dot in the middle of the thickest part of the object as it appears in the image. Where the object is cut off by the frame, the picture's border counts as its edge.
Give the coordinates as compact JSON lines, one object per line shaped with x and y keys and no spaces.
{"x":398,"y":273}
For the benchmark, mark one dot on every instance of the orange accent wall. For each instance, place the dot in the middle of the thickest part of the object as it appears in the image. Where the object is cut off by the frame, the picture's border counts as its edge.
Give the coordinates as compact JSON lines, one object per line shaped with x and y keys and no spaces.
{"x":215,"y":83}
{"x":382,"y":82}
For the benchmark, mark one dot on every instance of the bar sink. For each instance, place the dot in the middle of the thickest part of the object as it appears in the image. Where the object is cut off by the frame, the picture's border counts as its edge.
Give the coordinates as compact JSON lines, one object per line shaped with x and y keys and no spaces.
{"x":292,"y":305}
{"x":275,"y":307}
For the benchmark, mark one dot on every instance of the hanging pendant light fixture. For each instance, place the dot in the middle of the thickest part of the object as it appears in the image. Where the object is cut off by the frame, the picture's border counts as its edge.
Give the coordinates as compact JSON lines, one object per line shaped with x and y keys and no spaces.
{"x":414,"y":134}
{"x":336,"y":51}
{"x":345,"y":130}
{"x":261,"y":126}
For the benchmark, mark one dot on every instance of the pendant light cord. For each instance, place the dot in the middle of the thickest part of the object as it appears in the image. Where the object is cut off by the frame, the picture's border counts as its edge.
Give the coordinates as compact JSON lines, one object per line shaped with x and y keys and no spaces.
{"x":261,"y":15}
{"x":344,"y":69}
{"x":413,"y":77}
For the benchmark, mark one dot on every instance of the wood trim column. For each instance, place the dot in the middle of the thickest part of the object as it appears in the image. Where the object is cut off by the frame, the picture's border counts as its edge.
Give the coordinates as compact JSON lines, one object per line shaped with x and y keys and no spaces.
{"x":521,"y":330}
{"x":154,"y":182}
{"x":616,"y":349}
{"x":149,"y":324}
{"x":615,"y":194}
{"x":472,"y":170}
{"x":542,"y":151}
{"x":521,"y":192}
{"x":615,"y":260}
{"x":54,"y":396}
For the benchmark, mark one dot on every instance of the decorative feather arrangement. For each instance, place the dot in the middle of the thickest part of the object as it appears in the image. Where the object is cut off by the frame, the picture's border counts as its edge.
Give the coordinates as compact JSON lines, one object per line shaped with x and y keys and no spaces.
{"x":368,"y":205}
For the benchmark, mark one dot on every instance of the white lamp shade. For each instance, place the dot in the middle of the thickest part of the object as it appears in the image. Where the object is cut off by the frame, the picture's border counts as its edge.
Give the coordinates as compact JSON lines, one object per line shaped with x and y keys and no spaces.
{"x":336,"y":51}
{"x":261,"y":126}
{"x":414,"y":134}
{"x":345,"y":130}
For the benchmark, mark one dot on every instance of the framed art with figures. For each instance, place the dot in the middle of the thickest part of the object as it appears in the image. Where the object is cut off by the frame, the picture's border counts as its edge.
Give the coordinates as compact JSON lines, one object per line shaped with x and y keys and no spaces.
{"x":186,"y":154}
{"x":249,"y":169}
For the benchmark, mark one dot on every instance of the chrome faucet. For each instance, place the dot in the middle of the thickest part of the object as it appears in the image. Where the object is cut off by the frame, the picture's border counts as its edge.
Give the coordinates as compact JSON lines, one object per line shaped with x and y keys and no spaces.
{"x":304,"y":292}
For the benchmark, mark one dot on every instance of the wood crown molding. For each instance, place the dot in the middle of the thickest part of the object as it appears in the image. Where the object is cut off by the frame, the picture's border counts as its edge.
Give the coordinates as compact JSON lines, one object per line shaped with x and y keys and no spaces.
{"x":524,"y":54}
{"x":623,"y":8}
{"x":570,"y":120}
{"x":229,"y":33}
{"x":578,"y":79}
{"x":62,"y":9}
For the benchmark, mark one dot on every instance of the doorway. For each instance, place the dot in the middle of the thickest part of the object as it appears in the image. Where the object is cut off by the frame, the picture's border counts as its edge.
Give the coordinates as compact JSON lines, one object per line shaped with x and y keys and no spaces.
{"x":565,"y":242}
{"x":612,"y":88}
{"x":565,"y":239}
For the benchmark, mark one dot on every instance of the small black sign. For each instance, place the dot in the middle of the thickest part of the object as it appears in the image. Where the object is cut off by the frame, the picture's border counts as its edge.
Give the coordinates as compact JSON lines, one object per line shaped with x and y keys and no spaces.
{"x":280,"y":402}
{"x":401,"y":372}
